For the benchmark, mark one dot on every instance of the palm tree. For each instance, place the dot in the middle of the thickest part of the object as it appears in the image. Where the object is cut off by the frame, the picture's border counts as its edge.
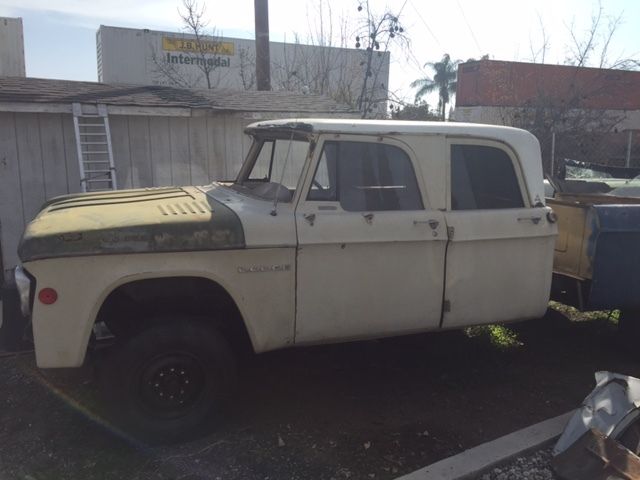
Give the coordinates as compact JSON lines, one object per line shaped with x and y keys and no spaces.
{"x":444,"y":81}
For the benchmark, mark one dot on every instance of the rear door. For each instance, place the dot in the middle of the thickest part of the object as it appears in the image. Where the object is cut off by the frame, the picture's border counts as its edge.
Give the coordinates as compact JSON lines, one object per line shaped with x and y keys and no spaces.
{"x":500,"y":246}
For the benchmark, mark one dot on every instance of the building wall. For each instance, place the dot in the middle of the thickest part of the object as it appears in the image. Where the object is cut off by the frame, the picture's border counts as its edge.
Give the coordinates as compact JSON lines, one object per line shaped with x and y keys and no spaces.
{"x":11,"y":48}
{"x":147,"y":57}
{"x":517,"y":84}
{"x":615,"y":147}
{"x":38,"y":159}
{"x":629,"y":119}
{"x":492,"y":92}
{"x":604,"y":104}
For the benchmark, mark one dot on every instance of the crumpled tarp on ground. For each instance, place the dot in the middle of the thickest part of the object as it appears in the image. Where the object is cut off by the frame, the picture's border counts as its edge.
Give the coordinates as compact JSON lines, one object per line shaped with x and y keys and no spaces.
{"x":607,"y":408}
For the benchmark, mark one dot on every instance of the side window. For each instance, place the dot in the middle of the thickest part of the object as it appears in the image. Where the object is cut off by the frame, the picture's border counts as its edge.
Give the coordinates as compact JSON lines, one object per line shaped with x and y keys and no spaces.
{"x":324,"y":185}
{"x":365,"y":176}
{"x":483,"y":177}
{"x":262,"y":168}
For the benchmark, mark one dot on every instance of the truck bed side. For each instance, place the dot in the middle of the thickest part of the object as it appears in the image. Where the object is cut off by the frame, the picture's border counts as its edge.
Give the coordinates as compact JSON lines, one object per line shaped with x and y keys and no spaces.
{"x":596,"y":258}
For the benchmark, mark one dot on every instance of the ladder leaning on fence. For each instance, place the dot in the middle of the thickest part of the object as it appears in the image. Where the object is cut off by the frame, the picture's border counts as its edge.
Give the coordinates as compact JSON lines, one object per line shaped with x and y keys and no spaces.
{"x":95,"y":155}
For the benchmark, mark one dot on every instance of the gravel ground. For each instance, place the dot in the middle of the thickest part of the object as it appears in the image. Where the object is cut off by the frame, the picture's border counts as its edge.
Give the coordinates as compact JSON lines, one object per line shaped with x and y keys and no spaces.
{"x":534,"y":466}
{"x":368,"y":410}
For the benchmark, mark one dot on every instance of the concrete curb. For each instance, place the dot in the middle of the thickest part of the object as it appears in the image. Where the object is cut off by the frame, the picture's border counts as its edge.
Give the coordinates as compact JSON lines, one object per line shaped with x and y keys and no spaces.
{"x":478,"y":459}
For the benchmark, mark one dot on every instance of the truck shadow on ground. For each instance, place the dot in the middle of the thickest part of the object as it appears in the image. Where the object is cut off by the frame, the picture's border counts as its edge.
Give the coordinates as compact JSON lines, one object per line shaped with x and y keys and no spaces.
{"x":372,"y":409}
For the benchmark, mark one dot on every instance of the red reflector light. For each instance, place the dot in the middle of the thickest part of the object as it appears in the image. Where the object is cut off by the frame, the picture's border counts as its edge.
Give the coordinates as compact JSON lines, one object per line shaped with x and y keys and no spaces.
{"x":48,"y":296}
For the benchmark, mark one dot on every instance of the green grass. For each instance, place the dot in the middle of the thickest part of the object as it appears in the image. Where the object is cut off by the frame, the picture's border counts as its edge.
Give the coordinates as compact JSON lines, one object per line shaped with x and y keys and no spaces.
{"x":500,"y":336}
{"x":576,"y":315}
{"x":504,"y":338}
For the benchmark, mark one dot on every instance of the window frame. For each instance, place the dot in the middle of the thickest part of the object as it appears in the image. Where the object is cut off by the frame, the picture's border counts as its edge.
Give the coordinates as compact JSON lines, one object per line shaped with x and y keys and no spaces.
{"x":257,"y":158}
{"x":334,"y":205}
{"x":254,"y":152}
{"x":485,"y":142}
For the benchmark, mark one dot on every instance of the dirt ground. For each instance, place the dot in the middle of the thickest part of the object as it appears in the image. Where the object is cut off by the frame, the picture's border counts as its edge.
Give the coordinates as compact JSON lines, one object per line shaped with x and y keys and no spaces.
{"x":361,"y":411}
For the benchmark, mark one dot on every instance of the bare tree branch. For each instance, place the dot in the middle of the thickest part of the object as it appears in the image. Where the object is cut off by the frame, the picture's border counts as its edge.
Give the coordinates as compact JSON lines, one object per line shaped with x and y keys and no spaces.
{"x":545,"y":44}
{"x":596,"y":42}
{"x":582,"y":47}
{"x":375,"y":35}
{"x":614,"y":23}
{"x":194,"y":21}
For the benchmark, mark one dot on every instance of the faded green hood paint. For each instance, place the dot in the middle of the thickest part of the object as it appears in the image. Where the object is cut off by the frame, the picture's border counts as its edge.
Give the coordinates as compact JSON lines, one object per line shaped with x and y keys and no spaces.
{"x":131,"y":221}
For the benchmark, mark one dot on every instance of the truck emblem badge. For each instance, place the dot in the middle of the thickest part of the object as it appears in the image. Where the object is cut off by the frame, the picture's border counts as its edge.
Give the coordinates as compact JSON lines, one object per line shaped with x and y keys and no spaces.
{"x":265,"y":268}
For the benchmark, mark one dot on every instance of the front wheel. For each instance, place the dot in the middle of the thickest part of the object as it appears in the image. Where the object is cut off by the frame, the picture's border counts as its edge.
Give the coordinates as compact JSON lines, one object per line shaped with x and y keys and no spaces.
{"x":169,"y":382}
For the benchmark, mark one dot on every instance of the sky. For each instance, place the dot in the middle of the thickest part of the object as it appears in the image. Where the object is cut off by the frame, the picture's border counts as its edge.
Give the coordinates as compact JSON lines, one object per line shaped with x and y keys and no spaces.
{"x":59,"y":35}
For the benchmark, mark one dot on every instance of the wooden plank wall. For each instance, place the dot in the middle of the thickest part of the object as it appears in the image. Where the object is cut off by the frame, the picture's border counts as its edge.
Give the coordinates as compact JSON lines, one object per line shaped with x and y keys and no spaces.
{"x":38,"y":159}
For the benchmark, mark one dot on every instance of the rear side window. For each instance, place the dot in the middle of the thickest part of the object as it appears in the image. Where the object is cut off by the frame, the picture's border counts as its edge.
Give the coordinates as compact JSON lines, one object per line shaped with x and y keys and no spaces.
{"x":366,"y":176}
{"x":483,"y":177}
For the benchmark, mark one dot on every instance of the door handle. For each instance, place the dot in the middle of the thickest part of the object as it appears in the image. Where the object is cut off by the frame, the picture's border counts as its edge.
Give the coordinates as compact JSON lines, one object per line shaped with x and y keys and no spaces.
{"x":368,"y":217}
{"x":432,"y":223}
{"x":534,"y":220}
{"x":310,"y":217}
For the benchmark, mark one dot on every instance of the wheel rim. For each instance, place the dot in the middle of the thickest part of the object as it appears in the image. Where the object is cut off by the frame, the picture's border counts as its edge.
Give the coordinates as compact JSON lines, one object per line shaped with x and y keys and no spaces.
{"x":171,"y":384}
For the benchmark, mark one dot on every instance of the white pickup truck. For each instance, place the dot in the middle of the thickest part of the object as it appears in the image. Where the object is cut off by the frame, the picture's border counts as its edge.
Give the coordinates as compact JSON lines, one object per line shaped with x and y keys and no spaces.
{"x":334,"y":230}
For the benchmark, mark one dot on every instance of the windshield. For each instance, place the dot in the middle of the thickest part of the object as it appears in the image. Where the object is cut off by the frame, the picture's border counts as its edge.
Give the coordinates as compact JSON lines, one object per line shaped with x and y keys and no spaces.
{"x":584,"y":173}
{"x":274,"y":171}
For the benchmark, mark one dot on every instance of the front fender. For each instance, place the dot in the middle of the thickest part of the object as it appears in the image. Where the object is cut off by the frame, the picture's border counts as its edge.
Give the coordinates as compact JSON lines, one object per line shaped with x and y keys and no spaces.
{"x":62,"y":330}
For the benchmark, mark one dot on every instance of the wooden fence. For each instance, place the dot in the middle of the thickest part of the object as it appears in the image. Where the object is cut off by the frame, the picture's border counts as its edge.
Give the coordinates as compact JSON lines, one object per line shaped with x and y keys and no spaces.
{"x":38,"y":159}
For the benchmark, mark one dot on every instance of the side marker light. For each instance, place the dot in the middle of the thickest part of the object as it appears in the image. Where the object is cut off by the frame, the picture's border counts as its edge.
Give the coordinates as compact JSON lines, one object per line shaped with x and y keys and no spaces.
{"x":47,"y":296}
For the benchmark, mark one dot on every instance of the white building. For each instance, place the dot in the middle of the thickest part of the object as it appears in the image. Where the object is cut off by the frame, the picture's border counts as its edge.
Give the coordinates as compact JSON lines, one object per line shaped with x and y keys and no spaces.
{"x":11,"y":48}
{"x":146,"y":57}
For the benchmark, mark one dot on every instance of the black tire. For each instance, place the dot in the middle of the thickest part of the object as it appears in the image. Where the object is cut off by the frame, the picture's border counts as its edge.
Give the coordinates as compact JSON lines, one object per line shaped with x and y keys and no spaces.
{"x":14,"y":324}
{"x":122,"y":327}
{"x":124,"y":317}
{"x":169,"y":382}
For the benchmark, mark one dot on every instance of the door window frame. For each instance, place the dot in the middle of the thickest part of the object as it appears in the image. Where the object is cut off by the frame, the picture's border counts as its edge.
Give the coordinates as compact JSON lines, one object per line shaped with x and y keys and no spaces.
{"x":485,"y":142}
{"x":376,"y":139}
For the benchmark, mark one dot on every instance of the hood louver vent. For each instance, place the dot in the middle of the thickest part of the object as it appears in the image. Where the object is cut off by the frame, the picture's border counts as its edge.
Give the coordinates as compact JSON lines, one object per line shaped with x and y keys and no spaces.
{"x":118,"y":197}
{"x":185,"y":208}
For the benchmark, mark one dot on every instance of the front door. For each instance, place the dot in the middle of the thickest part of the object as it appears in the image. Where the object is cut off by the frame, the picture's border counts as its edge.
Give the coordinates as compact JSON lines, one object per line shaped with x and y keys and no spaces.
{"x":501,"y":246}
{"x":370,"y":251}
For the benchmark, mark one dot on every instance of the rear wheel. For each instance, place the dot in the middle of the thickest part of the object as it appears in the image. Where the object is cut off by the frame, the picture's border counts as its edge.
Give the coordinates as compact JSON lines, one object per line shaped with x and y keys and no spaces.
{"x":169,"y":382}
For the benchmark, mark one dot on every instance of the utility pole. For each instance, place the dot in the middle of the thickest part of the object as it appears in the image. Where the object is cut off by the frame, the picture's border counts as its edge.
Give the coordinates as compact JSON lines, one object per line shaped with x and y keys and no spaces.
{"x":263,"y":62}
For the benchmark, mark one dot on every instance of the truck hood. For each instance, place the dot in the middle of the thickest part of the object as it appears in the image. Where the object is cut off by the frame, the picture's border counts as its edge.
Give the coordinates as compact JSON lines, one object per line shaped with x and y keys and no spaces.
{"x":131,"y":221}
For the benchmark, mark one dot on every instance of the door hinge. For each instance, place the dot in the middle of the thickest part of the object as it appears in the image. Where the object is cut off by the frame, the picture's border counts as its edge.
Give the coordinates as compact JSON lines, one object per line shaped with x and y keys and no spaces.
{"x":446,"y":306}
{"x":450,"y":232}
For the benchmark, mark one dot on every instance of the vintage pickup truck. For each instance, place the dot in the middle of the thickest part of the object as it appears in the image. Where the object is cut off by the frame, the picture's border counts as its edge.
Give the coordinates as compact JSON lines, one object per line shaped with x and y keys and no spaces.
{"x":334,"y":230}
{"x":597,"y":259}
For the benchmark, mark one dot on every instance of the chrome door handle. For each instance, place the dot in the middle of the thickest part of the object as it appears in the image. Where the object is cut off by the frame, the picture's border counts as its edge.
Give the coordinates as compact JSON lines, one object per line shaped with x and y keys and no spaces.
{"x":432,"y":223}
{"x":534,"y":220}
{"x":309,"y":217}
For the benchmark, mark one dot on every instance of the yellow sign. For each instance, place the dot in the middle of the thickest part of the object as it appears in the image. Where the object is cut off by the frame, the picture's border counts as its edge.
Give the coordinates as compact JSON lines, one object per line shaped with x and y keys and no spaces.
{"x":202,"y":46}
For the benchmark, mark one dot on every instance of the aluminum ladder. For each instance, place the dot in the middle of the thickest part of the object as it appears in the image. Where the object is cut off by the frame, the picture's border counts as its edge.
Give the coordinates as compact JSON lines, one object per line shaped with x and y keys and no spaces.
{"x":95,"y":154}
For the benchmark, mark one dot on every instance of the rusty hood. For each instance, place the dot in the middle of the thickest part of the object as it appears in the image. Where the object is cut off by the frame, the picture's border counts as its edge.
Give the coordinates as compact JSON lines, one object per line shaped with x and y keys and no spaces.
{"x":131,"y":221}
